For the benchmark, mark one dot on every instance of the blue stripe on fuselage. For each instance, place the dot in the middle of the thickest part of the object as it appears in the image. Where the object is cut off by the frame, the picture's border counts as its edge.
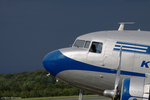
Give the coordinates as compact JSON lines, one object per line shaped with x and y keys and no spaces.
{"x":64,"y":63}
{"x":131,"y":47}
{"x":133,"y":44}
{"x":137,"y":48}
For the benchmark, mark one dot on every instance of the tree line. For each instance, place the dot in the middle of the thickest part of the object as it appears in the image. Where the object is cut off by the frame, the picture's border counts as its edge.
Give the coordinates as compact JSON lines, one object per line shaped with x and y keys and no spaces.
{"x":34,"y":84}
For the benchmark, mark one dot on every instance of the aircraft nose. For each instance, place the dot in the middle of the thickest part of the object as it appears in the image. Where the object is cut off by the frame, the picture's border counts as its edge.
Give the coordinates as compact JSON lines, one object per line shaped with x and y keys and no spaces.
{"x":50,"y":62}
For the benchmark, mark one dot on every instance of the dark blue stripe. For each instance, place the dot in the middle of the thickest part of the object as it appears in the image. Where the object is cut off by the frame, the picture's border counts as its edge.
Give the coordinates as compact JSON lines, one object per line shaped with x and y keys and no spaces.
{"x":130,"y":47}
{"x":134,"y":44}
{"x":64,"y":63}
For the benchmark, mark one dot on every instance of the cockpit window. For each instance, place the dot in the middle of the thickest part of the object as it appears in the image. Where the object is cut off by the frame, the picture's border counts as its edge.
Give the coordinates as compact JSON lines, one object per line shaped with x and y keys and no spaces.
{"x":79,"y":43}
{"x":96,"y":47}
{"x":87,"y":43}
{"x":82,"y":44}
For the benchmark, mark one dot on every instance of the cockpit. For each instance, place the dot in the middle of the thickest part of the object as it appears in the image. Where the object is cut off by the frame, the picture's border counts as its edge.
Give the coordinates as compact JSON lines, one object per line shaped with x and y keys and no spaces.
{"x":92,"y":46}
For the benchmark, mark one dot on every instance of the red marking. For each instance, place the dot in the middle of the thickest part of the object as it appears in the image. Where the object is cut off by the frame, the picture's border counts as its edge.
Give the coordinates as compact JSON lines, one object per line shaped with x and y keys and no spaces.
{"x":118,"y":68}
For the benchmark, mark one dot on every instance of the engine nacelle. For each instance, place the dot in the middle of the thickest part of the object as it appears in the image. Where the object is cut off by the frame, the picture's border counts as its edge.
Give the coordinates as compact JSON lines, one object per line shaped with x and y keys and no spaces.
{"x":135,"y":88}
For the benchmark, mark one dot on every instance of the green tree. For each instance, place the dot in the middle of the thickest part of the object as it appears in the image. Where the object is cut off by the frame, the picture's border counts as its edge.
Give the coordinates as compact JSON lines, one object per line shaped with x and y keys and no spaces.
{"x":34,"y":84}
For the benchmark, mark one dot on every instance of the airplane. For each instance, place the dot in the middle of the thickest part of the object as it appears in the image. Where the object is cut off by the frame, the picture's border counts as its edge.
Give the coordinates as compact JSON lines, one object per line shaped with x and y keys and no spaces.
{"x":112,"y":63}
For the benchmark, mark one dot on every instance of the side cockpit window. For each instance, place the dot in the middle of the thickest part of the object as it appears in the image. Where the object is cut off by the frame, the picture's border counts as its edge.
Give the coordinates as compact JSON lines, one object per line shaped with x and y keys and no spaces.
{"x":96,"y":47}
{"x":81,"y":44}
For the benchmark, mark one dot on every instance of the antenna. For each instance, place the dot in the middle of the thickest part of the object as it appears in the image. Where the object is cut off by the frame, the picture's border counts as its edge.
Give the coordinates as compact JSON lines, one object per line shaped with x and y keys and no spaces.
{"x":121,"y":27}
{"x":139,"y":29}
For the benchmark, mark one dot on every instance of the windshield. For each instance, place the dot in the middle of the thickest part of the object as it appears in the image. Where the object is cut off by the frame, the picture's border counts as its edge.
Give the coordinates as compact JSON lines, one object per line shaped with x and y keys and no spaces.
{"x":79,"y":43}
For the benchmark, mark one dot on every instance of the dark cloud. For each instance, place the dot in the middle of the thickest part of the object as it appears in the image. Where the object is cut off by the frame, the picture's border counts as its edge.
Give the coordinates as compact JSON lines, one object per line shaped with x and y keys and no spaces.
{"x":30,"y":29}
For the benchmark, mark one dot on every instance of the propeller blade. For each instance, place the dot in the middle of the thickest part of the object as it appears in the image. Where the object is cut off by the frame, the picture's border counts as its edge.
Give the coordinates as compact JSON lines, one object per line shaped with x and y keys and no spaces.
{"x":118,"y":71}
{"x":114,"y":93}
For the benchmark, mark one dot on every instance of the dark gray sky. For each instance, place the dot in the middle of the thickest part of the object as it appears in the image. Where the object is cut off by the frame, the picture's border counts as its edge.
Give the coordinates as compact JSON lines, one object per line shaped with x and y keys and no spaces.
{"x":29,"y":29}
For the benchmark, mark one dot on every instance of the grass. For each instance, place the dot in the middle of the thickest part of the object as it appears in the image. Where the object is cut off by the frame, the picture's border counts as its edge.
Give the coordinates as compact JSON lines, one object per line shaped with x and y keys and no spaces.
{"x":60,"y":97}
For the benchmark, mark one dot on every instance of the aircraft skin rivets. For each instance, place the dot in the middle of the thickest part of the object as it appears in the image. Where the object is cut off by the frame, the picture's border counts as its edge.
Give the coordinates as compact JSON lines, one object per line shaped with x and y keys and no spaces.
{"x":101,"y":76}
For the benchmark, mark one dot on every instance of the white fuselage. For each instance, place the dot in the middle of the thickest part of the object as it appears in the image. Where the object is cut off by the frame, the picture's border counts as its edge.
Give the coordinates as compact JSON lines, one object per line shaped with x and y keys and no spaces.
{"x":95,"y":71}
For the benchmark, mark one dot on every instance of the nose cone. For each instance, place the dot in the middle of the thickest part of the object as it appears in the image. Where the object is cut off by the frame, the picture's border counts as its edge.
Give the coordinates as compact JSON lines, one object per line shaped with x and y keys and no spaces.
{"x":50,"y":62}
